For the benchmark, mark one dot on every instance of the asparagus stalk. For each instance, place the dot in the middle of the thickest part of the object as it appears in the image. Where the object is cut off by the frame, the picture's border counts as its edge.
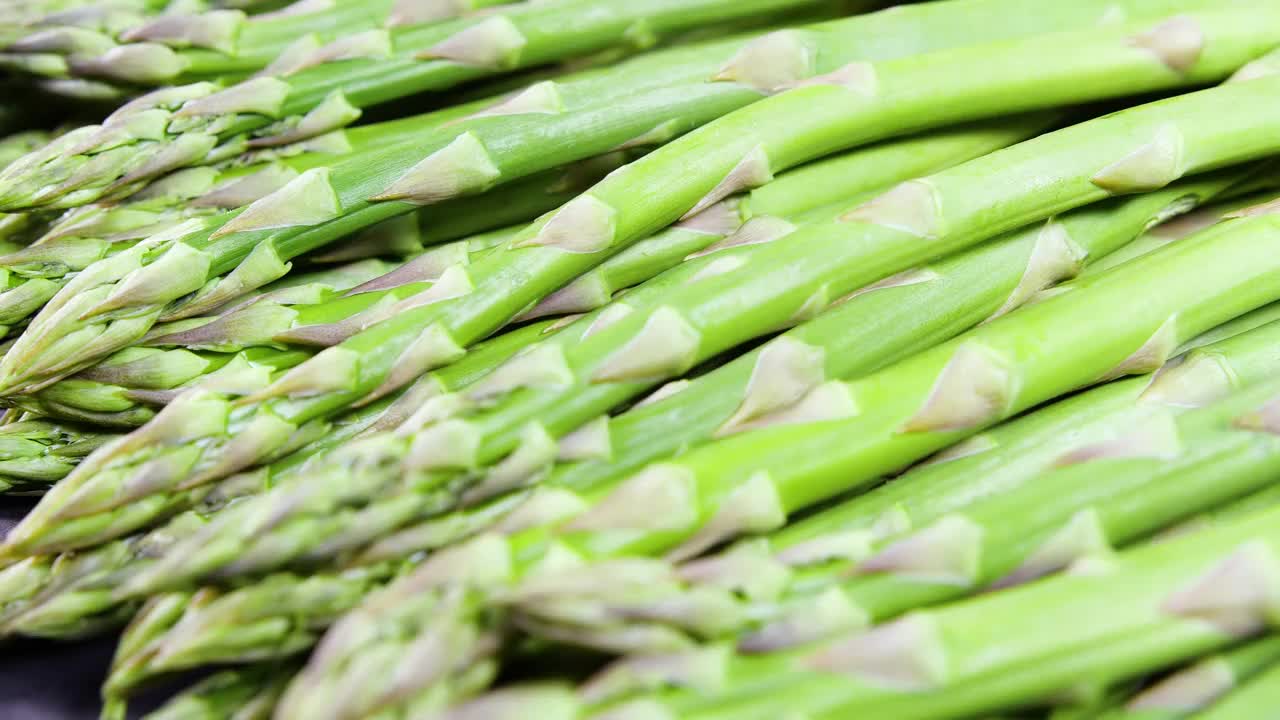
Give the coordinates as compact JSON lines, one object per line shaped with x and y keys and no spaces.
{"x":71,"y":595}
{"x":1120,"y":498}
{"x":868,"y":172}
{"x":1150,"y":469}
{"x":1255,"y":700}
{"x":1200,"y":686}
{"x":34,"y":454}
{"x":379,"y":359}
{"x":873,"y":330}
{"x":1257,"y":501}
{"x":596,"y":113}
{"x":694,"y":331}
{"x":124,"y":389}
{"x":242,"y":349}
{"x":32,"y":276}
{"x":240,"y":694}
{"x":52,"y":604}
{"x":854,"y":174}
{"x":206,"y":631}
{"x":752,"y":481}
{"x":322,"y":86}
{"x":859,"y":336}
{"x":507,"y":429}
{"x":793,"y":196}
{"x":47,"y":12}
{"x":204,"y":45}
{"x":1148,"y":609}
{"x":16,"y":229}
{"x":1015,"y":453}
{"x":16,"y":145}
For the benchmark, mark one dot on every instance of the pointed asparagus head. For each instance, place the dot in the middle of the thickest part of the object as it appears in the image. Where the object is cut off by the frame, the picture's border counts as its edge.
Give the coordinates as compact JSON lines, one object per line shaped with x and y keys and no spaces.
{"x":109,"y":305}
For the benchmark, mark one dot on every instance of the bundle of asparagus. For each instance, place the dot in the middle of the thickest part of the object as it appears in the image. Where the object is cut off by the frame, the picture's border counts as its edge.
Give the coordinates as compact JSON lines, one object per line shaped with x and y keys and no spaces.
{"x":681,"y":359}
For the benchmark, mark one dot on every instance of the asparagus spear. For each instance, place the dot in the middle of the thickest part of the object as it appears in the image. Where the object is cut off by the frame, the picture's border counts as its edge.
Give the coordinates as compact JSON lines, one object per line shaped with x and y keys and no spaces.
{"x":240,"y":694}
{"x":1198,"y":687}
{"x":16,"y":229}
{"x":790,"y":197}
{"x":1257,"y":699}
{"x":1148,"y":609}
{"x":860,"y":336}
{"x":1149,"y":470}
{"x":211,"y":631}
{"x":691,"y":331}
{"x":69,"y":595}
{"x":82,"y":586}
{"x":1016,"y":452}
{"x":378,"y":359}
{"x":34,"y":275}
{"x":43,"y":12}
{"x":36,"y":453}
{"x":876,"y":329}
{"x":124,"y":389}
{"x":321,"y":86}
{"x":1145,"y":618}
{"x":204,"y":45}
{"x":502,"y":430}
{"x":1192,"y":685}
{"x":618,"y":107}
{"x":248,"y":344}
{"x":752,"y":481}
{"x":16,"y":145}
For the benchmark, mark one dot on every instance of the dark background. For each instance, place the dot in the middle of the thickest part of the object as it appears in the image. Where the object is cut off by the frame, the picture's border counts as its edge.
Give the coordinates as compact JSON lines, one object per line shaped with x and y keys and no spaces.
{"x":41,"y":680}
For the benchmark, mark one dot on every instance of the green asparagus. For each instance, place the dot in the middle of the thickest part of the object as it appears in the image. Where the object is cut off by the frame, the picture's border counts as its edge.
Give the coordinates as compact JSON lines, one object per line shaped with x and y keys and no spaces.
{"x":209,"y":632}
{"x":124,"y":389}
{"x":71,"y":595}
{"x":395,"y":351}
{"x":1097,"y":230}
{"x":319,"y":87}
{"x":592,"y":115}
{"x":855,"y":174}
{"x":248,"y":694}
{"x":205,"y":45}
{"x":1079,"y":494}
{"x":752,"y":481}
{"x":1141,"y":612}
{"x":1184,"y":692}
{"x":32,"y":276}
{"x":504,"y":423}
{"x":602,"y":360}
{"x":40,"y":602}
{"x":34,"y":454}
{"x":1257,"y":699}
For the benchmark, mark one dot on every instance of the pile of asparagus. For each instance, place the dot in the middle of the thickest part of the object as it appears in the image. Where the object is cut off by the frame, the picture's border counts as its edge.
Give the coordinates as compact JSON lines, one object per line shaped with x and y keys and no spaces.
{"x":617,"y":360}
